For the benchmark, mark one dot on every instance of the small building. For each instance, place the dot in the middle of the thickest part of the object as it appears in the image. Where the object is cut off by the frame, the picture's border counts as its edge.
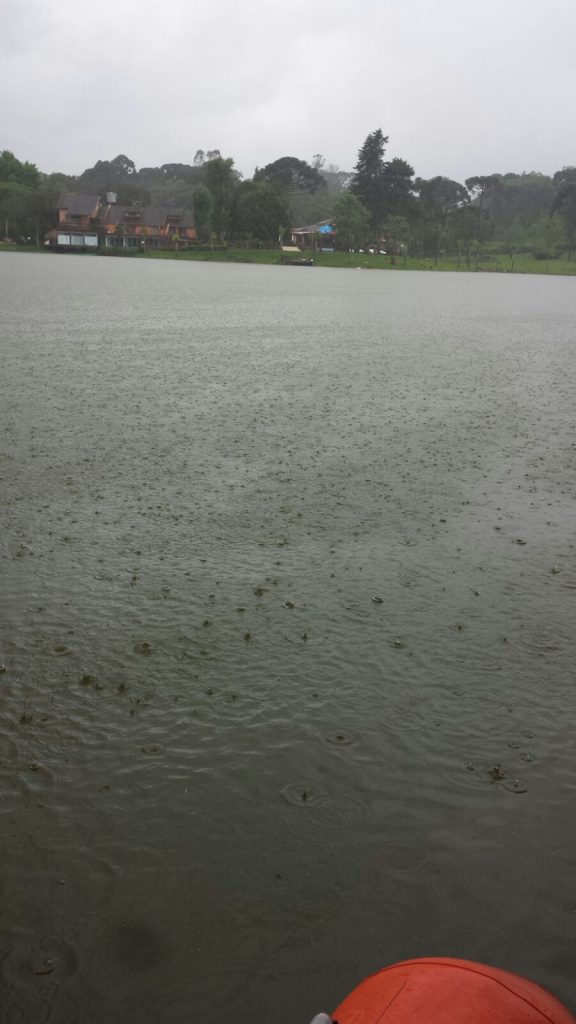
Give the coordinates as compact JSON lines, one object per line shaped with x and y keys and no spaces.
{"x":318,"y":235}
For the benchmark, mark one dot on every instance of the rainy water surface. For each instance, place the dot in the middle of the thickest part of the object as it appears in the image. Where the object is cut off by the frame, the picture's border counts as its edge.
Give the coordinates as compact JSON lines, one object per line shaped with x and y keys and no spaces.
{"x":288,"y":587}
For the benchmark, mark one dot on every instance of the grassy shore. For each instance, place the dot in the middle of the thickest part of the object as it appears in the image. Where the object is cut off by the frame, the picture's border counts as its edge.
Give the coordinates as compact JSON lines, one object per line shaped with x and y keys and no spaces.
{"x":521,"y":263}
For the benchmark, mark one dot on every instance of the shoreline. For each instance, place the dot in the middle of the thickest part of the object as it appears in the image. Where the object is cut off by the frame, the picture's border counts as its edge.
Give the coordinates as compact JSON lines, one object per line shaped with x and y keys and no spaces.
{"x":493,"y":263}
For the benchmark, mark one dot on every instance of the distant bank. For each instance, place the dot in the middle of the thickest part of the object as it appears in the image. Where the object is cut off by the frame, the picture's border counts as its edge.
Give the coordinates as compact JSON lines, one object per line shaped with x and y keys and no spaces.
{"x":502,"y":263}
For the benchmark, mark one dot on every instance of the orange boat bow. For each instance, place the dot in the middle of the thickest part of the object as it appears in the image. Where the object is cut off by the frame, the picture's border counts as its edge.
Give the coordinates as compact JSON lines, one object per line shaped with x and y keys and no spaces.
{"x":440,"y":990}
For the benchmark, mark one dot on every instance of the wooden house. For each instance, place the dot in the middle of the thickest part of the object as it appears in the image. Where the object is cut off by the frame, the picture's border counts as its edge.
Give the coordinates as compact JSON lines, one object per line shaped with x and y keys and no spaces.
{"x":86,"y":221}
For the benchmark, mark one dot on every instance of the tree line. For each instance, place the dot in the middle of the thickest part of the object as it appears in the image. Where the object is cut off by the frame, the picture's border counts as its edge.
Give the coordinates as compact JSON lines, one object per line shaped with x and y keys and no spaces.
{"x":380,"y":203}
{"x":519,"y":211}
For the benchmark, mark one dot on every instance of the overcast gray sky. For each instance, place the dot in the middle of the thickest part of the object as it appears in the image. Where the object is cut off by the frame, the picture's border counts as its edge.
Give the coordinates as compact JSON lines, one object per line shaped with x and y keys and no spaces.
{"x":460,"y":88}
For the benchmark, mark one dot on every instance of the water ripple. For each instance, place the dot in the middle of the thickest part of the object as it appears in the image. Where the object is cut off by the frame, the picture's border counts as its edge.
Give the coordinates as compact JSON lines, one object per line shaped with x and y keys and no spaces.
{"x":322,"y":808}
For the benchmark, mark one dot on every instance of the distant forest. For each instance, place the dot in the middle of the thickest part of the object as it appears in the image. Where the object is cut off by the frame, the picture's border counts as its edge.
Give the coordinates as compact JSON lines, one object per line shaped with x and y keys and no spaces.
{"x":380,"y":202}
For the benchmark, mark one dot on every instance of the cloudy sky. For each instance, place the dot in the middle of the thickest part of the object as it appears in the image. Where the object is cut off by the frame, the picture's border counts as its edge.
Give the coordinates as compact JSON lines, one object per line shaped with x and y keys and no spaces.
{"x":460,"y":88}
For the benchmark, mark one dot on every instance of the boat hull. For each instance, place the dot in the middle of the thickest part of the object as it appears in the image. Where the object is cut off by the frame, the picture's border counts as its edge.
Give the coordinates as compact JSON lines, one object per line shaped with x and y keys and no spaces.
{"x":441,"y":990}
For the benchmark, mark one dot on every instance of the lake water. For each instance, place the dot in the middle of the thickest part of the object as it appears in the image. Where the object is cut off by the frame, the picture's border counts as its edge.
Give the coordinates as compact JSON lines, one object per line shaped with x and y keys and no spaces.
{"x":288,"y":586}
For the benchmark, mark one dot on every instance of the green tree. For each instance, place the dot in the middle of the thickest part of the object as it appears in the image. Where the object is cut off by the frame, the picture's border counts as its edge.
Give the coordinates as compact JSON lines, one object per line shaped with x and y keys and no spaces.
{"x":108,"y":175}
{"x":202,"y":206}
{"x":547,"y":236}
{"x":396,"y":234}
{"x":15,"y":200}
{"x":14,"y":170}
{"x":310,"y":207}
{"x":565,"y":205}
{"x":468,"y":227}
{"x":567,"y":174}
{"x":368,"y":183}
{"x":300,"y":186}
{"x":24,"y":199}
{"x":522,"y":198}
{"x":482,"y":188}
{"x":45,"y":203}
{"x":399,"y":188}
{"x":26,"y":214}
{"x":129,"y":195}
{"x":291,"y":175}
{"x":441,"y":196}
{"x":259,"y":212}
{"x":62,"y":184}
{"x":221,"y":180}
{"x":352,"y":221}
{"x":181,"y":172}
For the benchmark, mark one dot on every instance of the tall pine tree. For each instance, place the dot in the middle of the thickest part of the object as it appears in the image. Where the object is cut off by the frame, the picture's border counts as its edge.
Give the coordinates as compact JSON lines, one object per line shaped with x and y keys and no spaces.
{"x":369,"y":181}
